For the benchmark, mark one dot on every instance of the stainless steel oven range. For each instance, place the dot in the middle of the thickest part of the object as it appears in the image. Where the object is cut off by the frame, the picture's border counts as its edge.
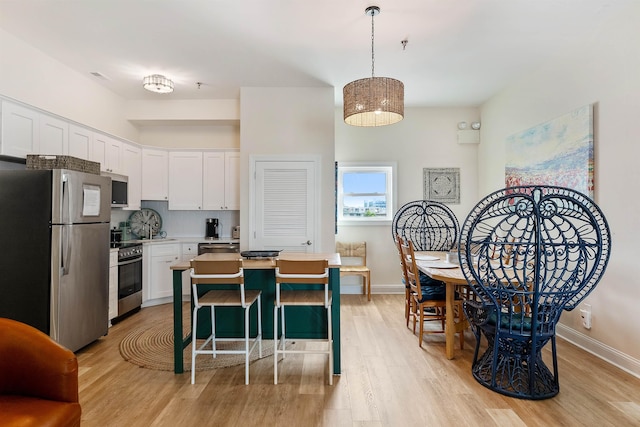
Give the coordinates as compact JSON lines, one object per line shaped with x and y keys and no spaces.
{"x":218,"y":248}
{"x":129,"y":278}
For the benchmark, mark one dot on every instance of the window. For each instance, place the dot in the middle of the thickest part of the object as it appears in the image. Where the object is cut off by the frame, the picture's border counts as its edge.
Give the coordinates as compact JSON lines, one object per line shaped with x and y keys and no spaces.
{"x":365,"y":193}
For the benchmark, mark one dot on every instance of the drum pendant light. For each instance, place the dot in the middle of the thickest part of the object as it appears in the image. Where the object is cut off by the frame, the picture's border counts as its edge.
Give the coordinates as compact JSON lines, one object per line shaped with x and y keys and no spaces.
{"x":374,"y":101}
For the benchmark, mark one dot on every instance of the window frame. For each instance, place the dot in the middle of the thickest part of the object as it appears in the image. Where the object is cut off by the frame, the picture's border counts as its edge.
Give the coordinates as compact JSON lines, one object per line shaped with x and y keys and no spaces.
{"x":389,"y":169}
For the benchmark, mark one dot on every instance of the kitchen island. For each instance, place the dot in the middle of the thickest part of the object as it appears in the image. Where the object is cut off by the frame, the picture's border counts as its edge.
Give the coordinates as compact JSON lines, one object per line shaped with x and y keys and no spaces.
{"x":302,"y":322}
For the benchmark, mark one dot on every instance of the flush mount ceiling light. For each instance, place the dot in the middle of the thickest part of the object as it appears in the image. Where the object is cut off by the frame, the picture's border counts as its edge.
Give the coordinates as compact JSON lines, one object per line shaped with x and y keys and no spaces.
{"x":374,"y":101}
{"x":157,"y":83}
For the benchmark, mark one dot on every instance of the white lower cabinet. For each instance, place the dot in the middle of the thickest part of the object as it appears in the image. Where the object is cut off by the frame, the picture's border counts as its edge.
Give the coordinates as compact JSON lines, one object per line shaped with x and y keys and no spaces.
{"x":189,"y":251}
{"x":113,"y":285}
{"x":156,"y":275}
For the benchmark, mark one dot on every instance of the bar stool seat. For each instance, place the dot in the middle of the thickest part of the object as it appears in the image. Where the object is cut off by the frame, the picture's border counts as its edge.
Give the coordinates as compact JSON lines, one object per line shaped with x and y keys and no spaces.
{"x":301,"y":275}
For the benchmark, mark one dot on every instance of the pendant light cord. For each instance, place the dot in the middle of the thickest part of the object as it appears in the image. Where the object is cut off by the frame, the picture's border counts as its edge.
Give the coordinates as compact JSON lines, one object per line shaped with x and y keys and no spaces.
{"x":372,"y":54}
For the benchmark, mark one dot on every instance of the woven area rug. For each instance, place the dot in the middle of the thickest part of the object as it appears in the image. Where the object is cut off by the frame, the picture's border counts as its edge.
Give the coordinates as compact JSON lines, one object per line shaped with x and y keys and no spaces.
{"x":152,"y":348}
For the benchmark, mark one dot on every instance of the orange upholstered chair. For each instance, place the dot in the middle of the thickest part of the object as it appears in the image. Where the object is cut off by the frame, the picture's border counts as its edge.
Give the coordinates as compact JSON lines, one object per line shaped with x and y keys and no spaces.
{"x":38,"y":379}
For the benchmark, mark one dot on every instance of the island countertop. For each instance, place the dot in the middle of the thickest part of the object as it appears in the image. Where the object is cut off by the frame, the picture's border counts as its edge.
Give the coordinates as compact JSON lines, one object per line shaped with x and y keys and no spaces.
{"x":259,"y":274}
{"x":263,"y":263}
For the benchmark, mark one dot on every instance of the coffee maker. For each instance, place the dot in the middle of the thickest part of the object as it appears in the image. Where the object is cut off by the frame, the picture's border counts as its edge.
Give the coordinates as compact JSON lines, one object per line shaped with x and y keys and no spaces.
{"x":212,"y":225}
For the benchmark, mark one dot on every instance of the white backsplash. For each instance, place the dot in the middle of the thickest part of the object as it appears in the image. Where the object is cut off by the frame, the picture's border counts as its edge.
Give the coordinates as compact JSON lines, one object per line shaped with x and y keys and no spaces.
{"x":182,"y":223}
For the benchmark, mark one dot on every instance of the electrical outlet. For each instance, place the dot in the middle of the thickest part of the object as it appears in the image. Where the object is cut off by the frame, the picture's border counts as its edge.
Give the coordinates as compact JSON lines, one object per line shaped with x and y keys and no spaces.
{"x":585,"y":314}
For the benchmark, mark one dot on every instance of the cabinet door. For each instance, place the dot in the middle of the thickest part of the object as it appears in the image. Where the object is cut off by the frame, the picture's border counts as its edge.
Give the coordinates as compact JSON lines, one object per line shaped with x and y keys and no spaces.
{"x":20,"y":131}
{"x":232,"y":180}
{"x":213,"y":181}
{"x":54,"y":135}
{"x":98,"y":149}
{"x":162,"y":256}
{"x":131,"y":167}
{"x":113,"y":156}
{"x":185,"y":180}
{"x":113,"y":285}
{"x":189,"y":251}
{"x":155,"y":174}
{"x":80,"y":140}
{"x":221,"y":180}
{"x":161,"y":277}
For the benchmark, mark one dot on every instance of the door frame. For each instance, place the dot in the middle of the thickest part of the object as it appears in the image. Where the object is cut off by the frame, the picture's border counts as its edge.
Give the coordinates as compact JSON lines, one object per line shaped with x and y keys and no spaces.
{"x":316,"y":160}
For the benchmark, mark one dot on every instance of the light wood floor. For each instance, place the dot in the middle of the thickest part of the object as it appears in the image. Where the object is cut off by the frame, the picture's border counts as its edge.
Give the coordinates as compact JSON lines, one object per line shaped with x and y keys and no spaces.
{"x":387,"y":380}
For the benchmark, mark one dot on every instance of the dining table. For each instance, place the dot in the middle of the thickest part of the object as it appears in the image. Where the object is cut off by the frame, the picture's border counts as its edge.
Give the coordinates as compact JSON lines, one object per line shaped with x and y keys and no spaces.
{"x":259,"y":273}
{"x":435,"y":265}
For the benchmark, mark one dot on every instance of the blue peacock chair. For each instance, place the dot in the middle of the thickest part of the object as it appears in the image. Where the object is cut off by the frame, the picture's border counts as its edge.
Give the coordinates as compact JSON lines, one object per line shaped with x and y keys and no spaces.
{"x":528,"y":253}
{"x":428,"y":225}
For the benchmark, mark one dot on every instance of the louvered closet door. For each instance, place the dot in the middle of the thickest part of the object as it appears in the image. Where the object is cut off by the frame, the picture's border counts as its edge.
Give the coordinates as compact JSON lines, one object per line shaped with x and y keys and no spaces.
{"x":285,"y":205}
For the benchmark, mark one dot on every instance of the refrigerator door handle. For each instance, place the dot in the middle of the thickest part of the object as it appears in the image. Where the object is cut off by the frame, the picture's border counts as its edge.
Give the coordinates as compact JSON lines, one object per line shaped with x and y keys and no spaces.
{"x":66,"y":250}
{"x":66,"y":199}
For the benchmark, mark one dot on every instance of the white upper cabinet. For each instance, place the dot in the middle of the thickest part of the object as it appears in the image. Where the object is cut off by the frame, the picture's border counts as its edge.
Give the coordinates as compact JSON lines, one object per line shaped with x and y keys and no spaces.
{"x":98,"y":149}
{"x":20,"y":131}
{"x":204,"y":180}
{"x":107,"y":151}
{"x":213,"y":181}
{"x":54,"y":135}
{"x":80,"y":139}
{"x":113,"y":156}
{"x":185,"y":180}
{"x":232,"y":180}
{"x":221,"y":180}
{"x":155,"y":174}
{"x":131,"y":167}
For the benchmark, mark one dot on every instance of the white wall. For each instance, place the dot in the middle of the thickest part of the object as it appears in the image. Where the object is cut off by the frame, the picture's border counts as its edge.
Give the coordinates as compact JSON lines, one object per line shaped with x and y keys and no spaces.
{"x":604,"y":71}
{"x":425,"y":138}
{"x":30,"y":76}
{"x":190,"y":136}
{"x":289,"y":121}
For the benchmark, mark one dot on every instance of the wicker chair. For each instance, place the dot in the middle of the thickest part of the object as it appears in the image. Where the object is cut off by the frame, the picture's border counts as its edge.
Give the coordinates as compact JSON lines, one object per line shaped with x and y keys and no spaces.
{"x":528,"y":252}
{"x":428,"y":225}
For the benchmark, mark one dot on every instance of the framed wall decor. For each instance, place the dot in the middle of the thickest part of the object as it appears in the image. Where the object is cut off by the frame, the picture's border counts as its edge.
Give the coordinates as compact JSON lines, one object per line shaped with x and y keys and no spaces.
{"x":442,"y":185}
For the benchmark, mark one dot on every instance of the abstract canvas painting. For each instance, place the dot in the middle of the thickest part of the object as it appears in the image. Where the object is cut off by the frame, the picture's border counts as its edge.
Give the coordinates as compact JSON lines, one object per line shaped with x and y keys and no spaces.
{"x":558,"y":152}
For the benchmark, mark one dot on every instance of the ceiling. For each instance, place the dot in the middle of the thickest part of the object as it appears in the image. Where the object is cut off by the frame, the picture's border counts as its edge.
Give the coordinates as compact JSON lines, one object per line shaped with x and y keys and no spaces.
{"x":459,"y":52}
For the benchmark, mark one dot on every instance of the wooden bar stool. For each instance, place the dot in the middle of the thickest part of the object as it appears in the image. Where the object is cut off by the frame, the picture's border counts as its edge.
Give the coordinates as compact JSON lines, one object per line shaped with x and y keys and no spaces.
{"x":294,"y":283}
{"x":223,"y":272}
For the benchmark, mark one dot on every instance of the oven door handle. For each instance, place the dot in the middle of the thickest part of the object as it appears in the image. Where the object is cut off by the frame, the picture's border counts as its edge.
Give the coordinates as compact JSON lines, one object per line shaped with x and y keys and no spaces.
{"x":129,"y":261}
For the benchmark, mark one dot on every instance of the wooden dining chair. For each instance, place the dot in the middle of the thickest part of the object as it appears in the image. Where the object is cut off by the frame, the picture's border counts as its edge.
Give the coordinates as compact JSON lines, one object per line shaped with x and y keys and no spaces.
{"x":220,"y":283}
{"x":408,"y":296}
{"x":301,"y":283}
{"x":429,"y":302}
{"x":358,"y":251}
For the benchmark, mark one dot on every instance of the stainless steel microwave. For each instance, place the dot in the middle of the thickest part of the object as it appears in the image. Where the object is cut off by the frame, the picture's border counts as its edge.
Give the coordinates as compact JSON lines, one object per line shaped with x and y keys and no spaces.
{"x":119,"y":190}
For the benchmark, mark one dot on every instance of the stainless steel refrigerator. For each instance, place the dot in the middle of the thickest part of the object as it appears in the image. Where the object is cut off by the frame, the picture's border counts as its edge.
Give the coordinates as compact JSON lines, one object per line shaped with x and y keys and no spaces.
{"x":54,"y":260}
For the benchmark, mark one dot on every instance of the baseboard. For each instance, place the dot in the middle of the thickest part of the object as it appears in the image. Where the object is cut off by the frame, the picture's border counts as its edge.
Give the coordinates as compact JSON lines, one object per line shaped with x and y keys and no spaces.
{"x":391,"y":289}
{"x":157,"y":301}
{"x":603,"y":351}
